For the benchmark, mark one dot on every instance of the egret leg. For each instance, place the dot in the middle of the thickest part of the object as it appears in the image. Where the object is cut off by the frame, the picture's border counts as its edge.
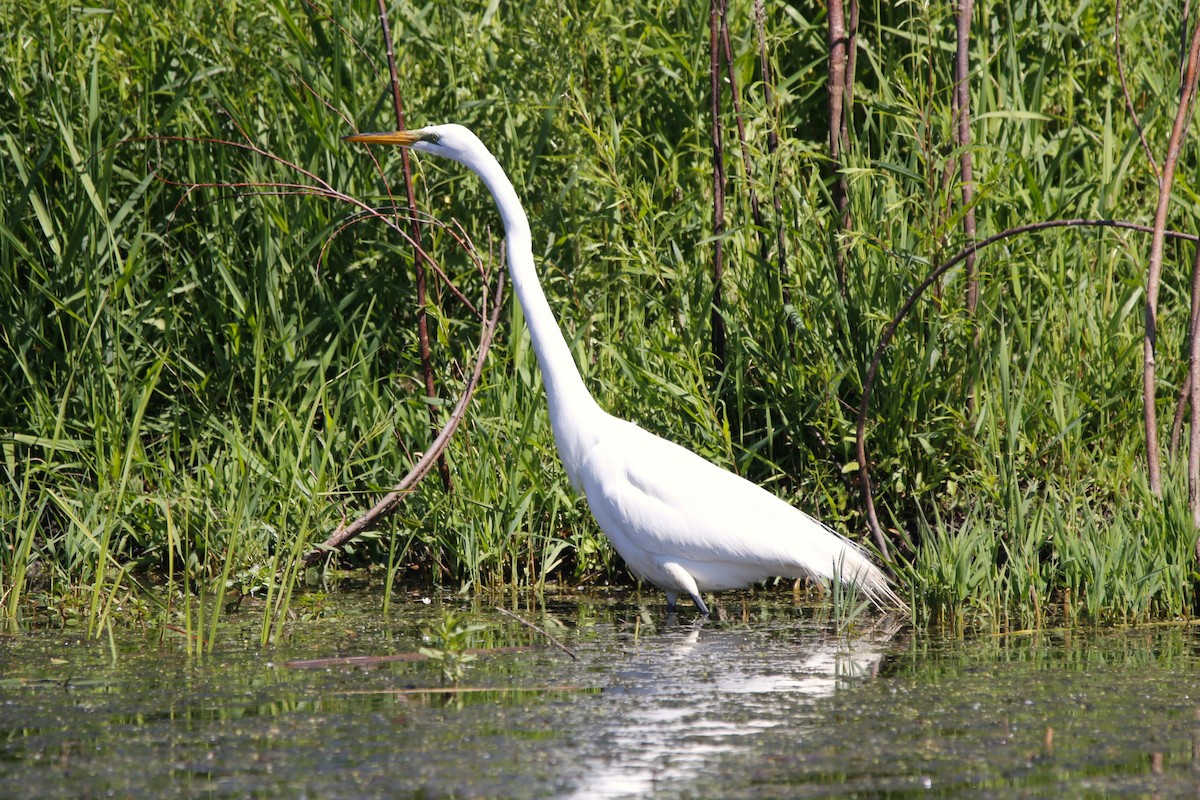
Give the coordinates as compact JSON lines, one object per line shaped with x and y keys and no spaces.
{"x":685,"y":581}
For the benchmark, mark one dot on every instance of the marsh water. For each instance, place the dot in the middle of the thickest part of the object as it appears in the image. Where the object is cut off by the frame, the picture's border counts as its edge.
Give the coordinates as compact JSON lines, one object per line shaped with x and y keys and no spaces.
{"x":766,"y":702}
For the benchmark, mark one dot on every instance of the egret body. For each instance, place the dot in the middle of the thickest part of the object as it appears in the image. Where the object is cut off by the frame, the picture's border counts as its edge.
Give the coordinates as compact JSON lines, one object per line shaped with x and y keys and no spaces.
{"x":678,"y":521}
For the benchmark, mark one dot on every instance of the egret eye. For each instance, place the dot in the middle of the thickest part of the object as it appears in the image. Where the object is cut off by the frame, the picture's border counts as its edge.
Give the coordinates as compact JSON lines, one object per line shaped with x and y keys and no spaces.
{"x":432,"y":138}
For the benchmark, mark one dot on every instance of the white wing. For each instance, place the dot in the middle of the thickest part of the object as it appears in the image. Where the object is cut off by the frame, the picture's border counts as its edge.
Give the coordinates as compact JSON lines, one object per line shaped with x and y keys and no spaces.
{"x":663,"y":505}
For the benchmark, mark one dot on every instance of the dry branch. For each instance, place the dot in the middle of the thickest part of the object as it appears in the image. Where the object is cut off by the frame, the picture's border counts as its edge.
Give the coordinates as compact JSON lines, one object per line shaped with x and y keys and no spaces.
{"x":962,"y":137}
{"x":1137,"y":122}
{"x":419,"y":470}
{"x":419,"y":259}
{"x":554,"y":641}
{"x":889,"y":331}
{"x":1184,"y":401}
{"x":735,"y":99}
{"x":1154,"y":270}
{"x":1192,"y":392}
{"x":772,"y":141}
{"x":841,"y":78}
{"x":717,"y":318}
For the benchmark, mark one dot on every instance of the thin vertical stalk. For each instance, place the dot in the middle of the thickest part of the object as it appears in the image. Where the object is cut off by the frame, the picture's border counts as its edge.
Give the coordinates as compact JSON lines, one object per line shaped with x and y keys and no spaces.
{"x":962,"y":139}
{"x":841,"y":42}
{"x":1137,"y":123}
{"x":962,"y":129}
{"x":1187,"y":391}
{"x":1154,"y":272}
{"x":768,"y":80}
{"x":860,"y":436}
{"x":718,"y":320}
{"x":851,"y":66}
{"x":735,"y":99}
{"x":1181,"y":410}
{"x":1193,"y":393}
{"x":419,"y":254}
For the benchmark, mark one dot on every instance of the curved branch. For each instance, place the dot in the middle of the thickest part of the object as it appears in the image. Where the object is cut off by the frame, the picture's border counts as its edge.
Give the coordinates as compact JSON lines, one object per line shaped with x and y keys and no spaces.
{"x":388,"y":503}
{"x":319,"y":187}
{"x":890,"y":331}
{"x":322,"y":189}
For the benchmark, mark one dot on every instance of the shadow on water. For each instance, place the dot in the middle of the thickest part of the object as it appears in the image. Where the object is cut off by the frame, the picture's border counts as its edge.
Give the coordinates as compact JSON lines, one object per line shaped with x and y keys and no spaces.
{"x":771,"y":705}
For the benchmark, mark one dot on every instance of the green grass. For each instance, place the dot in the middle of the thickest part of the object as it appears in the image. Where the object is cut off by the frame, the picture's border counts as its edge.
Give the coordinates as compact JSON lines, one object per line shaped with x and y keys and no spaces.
{"x":200,"y":385}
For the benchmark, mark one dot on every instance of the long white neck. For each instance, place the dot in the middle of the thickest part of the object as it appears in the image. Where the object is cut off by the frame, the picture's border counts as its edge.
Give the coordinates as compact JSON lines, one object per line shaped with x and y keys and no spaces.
{"x":573,"y":411}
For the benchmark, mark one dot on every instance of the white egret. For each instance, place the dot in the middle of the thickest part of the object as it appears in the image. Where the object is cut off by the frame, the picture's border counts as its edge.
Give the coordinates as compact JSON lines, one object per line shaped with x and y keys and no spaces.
{"x":679,"y":522}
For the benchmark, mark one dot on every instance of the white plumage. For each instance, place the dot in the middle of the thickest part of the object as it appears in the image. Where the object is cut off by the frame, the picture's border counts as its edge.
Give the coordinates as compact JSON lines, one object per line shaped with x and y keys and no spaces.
{"x":678,"y":521}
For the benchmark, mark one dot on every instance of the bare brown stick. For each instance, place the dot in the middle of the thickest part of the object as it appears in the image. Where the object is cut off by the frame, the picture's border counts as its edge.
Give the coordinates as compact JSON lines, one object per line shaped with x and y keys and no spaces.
{"x":540,"y":630}
{"x":1193,"y":394}
{"x":889,"y":331}
{"x":768,"y":81}
{"x":962,"y":130}
{"x":418,"y":260}
{"x":374,"y":661}
{"x":764,"y":253}
{"x":1188,"y":391}
{"x":456,"y":690}
{"x":717,"y":317}
{"x":1182,"y":404}
{"x":1154,"y":270}
{"x":419,"y":470}
{"x":851,"y":66}
{"x":839,"y":47}
{"x":1137,"y":122}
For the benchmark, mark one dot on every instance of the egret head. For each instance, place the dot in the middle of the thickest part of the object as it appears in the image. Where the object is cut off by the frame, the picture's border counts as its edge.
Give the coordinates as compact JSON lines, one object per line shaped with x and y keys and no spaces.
{"x":448,"y":141}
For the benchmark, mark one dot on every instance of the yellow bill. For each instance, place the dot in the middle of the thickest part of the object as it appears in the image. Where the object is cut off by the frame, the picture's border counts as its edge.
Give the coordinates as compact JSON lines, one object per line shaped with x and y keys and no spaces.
{"x":401,"y":138}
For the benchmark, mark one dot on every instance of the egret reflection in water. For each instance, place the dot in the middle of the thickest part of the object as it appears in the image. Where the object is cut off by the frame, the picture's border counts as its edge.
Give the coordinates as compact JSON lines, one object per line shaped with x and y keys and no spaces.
{"x":689,"y":694}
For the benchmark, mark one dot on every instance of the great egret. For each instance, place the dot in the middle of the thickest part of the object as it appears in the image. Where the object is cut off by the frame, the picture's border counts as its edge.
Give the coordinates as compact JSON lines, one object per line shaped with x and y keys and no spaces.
{"x":679,"y":522}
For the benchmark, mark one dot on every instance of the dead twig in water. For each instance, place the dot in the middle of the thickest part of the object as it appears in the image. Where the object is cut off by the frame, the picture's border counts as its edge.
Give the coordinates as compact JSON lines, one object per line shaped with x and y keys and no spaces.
{"x":371,"y":661}
{"x":477,"y":690}
{"x":542,"y":631}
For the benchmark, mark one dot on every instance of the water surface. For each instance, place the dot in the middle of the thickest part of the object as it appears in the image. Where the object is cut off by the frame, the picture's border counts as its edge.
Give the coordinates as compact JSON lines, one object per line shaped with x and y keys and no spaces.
{"x":767,"y":703}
